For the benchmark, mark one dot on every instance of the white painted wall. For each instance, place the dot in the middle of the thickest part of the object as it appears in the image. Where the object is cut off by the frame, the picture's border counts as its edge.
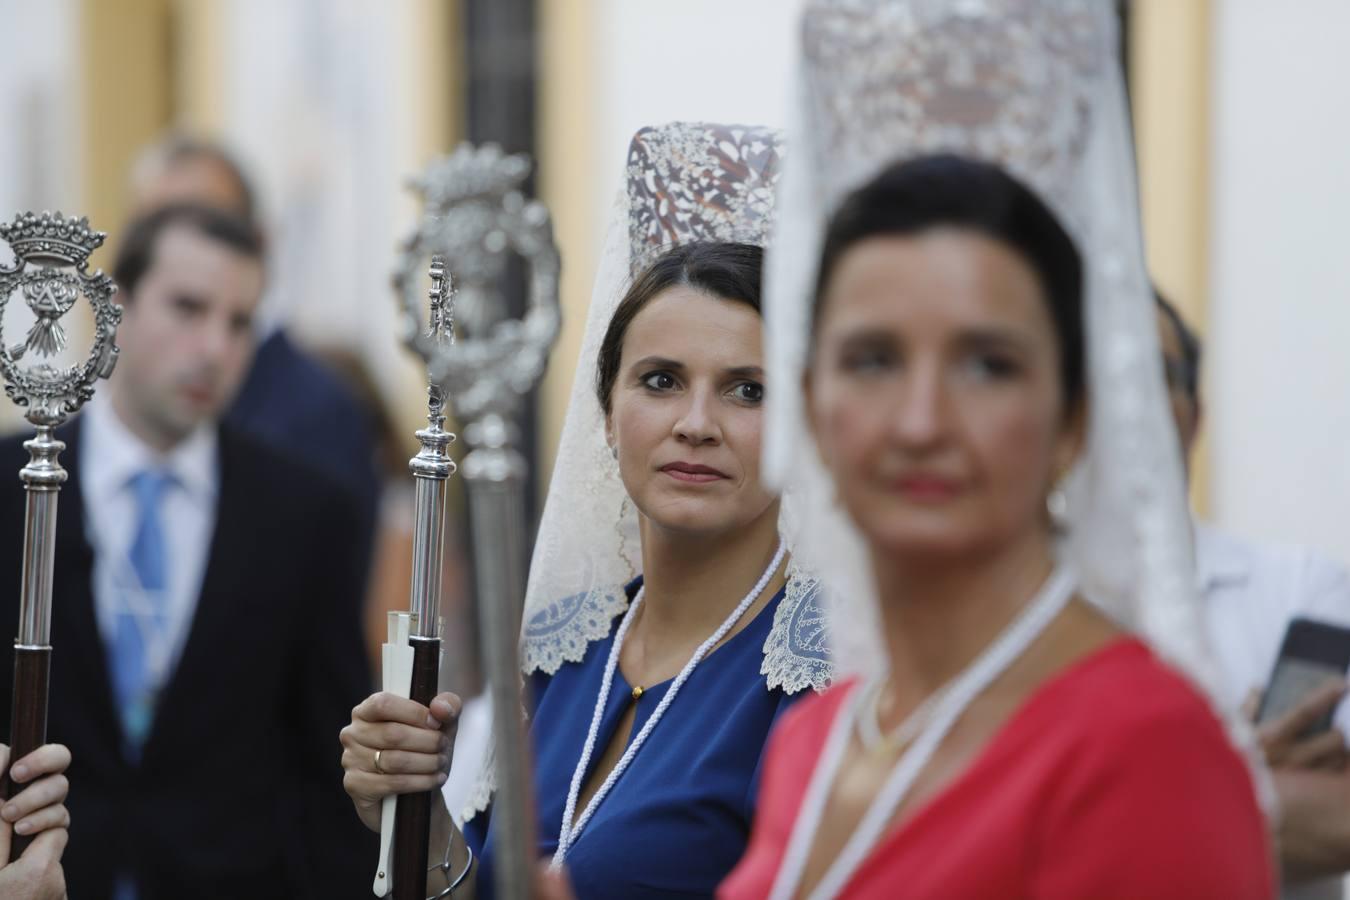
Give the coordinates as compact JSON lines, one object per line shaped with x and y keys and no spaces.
{"x":312,"y":98}
{"x":698,"y":60}
{"x":39,"y":107}
{"x":40,"y":131}
{"x":321,"y":100}
{"x":1279,"y":374}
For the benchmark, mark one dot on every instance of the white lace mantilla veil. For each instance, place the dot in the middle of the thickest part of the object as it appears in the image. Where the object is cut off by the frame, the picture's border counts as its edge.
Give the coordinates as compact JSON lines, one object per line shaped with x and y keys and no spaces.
{"x":1035,"y":86}
{"x":684,"y":181}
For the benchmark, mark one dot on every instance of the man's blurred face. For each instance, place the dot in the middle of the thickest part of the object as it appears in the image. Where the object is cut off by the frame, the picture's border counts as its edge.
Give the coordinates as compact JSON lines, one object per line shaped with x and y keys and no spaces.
{"x":1185,"y":409}
{"x":186,"y":335}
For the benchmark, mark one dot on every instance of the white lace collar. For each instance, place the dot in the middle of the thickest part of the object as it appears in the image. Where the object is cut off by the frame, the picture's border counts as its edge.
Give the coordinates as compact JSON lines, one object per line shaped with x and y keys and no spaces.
{"x":796,"y":652}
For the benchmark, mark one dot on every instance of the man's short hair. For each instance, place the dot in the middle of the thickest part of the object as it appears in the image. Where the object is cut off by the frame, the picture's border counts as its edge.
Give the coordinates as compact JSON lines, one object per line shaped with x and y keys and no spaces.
{"x":179,"y":148}
{"x":1191,"y":347}
{"x":136,"y":254}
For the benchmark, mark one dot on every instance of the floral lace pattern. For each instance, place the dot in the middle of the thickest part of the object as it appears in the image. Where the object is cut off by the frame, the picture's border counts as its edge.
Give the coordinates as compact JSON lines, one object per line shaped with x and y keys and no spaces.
{"x":699,"y":181}
{"x":797,"y":650}
{"x":560,"y":632}
{"x":1009,"y":80}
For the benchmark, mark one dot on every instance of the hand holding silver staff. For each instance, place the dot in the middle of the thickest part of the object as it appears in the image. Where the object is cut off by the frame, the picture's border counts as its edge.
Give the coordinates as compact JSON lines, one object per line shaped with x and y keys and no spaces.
{"x":475,"y":217}
{"x":49,"y":271}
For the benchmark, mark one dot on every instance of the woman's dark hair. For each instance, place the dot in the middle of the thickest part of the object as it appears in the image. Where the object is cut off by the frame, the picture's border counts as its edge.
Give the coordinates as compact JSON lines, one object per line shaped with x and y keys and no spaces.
{"x":140,"y":239}
{"x":727,"y":270}
{"x":949,"y":191}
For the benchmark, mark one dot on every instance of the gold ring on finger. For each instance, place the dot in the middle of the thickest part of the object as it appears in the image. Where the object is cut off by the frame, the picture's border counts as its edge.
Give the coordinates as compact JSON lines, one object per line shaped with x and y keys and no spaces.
{"x":379,"y":768}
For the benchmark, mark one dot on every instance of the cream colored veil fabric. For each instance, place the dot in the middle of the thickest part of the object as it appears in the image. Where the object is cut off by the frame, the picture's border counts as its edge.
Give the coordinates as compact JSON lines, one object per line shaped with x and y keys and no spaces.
{"x":1035,"y":86}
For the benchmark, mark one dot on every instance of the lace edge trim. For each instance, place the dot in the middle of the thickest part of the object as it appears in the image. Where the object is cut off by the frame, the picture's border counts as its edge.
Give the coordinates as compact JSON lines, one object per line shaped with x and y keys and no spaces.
{"x":548,"y":655}
{"x":783,"y":667}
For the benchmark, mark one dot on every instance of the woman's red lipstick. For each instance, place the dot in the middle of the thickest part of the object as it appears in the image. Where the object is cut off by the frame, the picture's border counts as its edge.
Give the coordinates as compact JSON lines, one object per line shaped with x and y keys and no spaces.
{"x":692,"y":473}
{"x":927,"y":488}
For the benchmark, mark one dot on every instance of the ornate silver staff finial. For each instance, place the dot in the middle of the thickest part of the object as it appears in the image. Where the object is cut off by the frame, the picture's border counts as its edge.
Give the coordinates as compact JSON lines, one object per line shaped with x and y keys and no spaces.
{"x":50,"y":255}
{"x":51,"y":252}
{"x":441,"y":331}
{"x":475,"y":218}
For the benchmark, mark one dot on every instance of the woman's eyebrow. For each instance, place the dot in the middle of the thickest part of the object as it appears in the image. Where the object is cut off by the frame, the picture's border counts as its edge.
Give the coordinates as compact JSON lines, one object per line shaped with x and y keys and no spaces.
{"x":995,"y":338}
{"x":658,"y":362}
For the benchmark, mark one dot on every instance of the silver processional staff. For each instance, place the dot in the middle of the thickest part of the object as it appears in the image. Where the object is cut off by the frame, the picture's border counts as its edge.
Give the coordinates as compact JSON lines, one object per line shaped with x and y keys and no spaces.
{"x":476,"y":216}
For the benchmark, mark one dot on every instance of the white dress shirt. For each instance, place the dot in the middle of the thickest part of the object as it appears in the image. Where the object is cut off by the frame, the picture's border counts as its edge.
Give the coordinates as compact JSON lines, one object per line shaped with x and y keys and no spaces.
{"x":110,"y":455}
{"x":1250,"y":593}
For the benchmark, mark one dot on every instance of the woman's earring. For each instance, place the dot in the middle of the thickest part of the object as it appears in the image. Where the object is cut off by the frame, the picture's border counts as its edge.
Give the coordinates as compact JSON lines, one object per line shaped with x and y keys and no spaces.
{"x":1057,"y":505}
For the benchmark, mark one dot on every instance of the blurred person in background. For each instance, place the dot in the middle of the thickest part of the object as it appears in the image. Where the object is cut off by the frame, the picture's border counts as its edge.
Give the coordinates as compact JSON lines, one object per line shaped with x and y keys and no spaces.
{"x":290,"y":396}
{"x":1250,"y":593}
{"x":289,"y":399}
{"x":207,"y":607}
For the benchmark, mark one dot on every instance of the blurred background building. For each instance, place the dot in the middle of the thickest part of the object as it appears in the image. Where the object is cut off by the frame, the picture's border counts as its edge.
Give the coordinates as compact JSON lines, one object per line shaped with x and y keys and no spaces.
{"x":1239,"y":117}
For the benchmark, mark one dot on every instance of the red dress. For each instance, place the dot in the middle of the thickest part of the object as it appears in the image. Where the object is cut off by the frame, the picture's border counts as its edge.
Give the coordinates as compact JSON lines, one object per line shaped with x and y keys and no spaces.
{"x":1113,"y":780}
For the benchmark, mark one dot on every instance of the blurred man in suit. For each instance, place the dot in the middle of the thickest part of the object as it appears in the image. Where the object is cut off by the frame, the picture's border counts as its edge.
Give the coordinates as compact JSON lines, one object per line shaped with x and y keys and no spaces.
{"x":287,"y":396}
{"x":207,"y":608}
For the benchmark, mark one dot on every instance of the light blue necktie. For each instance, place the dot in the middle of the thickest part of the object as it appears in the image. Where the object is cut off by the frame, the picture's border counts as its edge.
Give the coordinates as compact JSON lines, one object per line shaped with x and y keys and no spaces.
{"x":140,"y":613}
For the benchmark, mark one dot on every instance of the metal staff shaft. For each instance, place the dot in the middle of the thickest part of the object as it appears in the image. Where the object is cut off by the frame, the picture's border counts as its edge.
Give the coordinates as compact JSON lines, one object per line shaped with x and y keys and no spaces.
{"x":495,"y":474}
{"x":432,"y":468}
{"x":412,"y":820}
{"x":42,"y":479}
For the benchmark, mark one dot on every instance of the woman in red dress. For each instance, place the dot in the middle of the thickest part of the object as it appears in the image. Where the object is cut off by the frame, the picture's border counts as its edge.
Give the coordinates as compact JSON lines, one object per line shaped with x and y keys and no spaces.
{"x":1020,"y":743}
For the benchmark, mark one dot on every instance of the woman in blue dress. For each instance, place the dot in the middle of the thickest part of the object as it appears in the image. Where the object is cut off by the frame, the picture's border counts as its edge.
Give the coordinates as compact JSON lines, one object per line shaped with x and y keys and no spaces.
{"x":652,"y":694}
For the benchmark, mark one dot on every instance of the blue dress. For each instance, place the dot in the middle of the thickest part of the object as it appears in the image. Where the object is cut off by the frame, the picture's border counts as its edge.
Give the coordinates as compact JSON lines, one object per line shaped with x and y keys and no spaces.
{"x":677,"y":821}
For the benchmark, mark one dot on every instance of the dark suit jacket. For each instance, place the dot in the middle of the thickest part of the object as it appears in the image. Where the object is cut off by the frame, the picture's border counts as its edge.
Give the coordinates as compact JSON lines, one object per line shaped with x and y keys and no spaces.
{"x":239,"y":790}
{"x":289,"y":396}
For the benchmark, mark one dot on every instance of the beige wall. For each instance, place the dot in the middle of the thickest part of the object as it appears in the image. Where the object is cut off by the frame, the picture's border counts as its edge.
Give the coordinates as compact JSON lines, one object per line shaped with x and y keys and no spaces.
{"x":1280,"y":290}
{"x":1169,"y":68}
{"x":567,"y":179}
{"x":125,"y":96}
